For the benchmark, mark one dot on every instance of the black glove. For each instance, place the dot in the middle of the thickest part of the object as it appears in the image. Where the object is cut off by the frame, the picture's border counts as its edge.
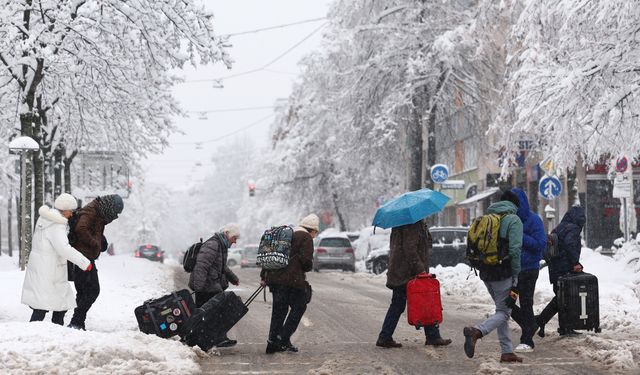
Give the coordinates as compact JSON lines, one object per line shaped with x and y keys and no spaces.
{"x":511,"y":299}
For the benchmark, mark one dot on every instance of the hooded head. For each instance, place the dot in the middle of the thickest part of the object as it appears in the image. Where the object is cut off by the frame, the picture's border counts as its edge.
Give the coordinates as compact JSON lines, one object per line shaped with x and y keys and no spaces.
{"x":576,"y":216}
{"x":523,"y":208}
{"x":109,"y":207}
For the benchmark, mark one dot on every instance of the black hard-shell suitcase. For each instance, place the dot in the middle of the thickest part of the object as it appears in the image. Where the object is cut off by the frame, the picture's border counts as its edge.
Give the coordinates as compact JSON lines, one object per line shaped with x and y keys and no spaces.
{"x":166,"y":316}
{"x":215,"y":318}
{"x":578,"y":302}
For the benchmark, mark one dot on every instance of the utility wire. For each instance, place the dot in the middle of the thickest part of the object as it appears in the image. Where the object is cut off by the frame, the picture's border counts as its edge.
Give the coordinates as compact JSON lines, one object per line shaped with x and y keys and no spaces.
{"x":273,"y":27}
{"x":265,"y":65}
{"x":233,"y":109}
{"x":257,"y":122}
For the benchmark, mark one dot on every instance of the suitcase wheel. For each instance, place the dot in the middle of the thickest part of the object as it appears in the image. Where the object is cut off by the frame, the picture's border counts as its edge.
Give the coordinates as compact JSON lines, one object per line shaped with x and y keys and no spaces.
{"x":597,"y":330}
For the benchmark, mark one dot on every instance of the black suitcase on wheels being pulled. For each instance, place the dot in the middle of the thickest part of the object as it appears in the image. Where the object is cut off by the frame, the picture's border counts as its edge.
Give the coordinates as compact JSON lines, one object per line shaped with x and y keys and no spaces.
{"x":166,"y":316}
{"x":211,"y":322}
{"x":578,"y":302}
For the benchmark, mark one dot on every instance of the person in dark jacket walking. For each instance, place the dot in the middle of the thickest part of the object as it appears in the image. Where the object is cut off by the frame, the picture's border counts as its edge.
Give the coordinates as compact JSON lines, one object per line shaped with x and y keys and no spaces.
{"x":210,"y":274}
{"x":534,"y":243}
{"x":568,"y":260}
{"x":87,"y":237}
{"x":501,"y":281}
{"x":289,"y":287}
{"x":408,"y":256}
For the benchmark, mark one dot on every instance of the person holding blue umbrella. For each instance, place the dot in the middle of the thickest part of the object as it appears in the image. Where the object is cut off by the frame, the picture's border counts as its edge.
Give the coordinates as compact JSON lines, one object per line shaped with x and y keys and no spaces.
{"x":408,"y":256}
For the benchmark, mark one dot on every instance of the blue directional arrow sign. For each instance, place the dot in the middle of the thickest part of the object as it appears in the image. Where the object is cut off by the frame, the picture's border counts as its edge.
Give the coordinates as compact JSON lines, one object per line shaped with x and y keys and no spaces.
{"x":439,"y":173}
{"x":550,"y":187}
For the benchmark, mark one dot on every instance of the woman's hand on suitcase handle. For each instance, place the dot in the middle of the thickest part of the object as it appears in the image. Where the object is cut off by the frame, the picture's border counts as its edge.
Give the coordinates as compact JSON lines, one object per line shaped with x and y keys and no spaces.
{"x":577,"y":268}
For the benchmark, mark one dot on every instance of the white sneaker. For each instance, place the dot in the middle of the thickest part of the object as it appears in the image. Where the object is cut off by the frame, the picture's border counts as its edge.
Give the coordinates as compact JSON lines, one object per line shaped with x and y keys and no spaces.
{"x":523,"y":348}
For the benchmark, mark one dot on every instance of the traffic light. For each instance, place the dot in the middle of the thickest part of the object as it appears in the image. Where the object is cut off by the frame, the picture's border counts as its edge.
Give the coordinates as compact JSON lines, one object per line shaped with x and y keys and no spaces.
{"x":252,"y":188}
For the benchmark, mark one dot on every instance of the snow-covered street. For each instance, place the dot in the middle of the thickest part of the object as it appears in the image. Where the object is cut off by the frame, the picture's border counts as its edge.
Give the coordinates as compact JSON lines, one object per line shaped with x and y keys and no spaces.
{"x":336,"y":336}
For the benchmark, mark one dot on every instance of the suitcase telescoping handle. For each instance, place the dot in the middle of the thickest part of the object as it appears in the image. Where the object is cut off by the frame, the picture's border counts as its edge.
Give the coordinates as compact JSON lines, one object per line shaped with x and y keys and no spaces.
{"x":253,"y":296}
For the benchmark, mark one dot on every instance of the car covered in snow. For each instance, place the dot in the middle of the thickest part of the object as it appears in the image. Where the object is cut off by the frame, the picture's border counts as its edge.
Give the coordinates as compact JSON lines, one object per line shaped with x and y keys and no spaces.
{"x":449,"y":249}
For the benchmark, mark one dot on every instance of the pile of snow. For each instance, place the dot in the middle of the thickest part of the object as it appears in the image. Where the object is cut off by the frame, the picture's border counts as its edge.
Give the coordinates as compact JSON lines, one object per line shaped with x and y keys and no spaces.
{"x":112,"y":343}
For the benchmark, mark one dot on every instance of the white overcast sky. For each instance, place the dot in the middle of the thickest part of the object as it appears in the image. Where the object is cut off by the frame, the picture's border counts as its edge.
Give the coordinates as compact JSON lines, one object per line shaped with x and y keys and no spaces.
{"x":177,"y":165}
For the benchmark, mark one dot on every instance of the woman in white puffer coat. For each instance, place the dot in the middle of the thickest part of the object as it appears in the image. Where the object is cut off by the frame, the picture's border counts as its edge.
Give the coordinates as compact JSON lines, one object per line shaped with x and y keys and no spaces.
{"x":46,"y":286}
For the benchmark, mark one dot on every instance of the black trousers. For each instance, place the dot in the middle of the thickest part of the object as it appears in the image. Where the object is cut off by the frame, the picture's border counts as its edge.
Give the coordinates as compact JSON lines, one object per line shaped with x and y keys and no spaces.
{"x":289,"y":305}
{"x":57,"y":316}
{"x":551,"y":309}
{"x":87,"y":291}
{"x":523,"y":315}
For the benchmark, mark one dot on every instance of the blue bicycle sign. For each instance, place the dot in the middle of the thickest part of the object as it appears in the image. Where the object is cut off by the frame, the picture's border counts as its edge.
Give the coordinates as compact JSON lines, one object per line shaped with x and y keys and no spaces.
{"x":439,"y":173}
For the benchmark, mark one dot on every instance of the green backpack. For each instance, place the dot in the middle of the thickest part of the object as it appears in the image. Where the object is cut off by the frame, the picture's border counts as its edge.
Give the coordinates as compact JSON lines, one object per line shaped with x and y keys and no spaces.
{"x":484,"y":246}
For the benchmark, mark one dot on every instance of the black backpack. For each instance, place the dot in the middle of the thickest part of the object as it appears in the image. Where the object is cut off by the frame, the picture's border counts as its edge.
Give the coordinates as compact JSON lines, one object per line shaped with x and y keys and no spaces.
{"x":190,"y":256}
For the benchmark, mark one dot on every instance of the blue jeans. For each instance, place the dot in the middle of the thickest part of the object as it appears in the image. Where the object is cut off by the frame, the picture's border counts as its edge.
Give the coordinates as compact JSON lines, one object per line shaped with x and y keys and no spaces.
{"x":398,"y":304}
{"x":499,"y":291}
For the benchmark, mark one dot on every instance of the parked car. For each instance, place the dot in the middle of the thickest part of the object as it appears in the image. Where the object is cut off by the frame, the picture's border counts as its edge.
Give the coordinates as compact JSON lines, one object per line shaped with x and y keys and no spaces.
{"x":449,"y":249}
{"x":151,"y":252}
{"x":249,"y":256}
{"x":234,"y":256}
{"x":334,"y":251}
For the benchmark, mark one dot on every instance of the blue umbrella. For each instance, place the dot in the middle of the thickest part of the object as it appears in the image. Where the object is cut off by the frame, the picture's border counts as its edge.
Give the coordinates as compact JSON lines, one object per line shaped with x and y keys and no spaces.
{"x":409,"y":208}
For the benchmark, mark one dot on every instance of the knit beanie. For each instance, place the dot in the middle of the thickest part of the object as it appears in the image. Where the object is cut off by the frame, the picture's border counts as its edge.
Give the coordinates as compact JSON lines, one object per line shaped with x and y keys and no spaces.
{"x":109,"y":207}
{"x":65,"y":202}
{"x":311,"y":222}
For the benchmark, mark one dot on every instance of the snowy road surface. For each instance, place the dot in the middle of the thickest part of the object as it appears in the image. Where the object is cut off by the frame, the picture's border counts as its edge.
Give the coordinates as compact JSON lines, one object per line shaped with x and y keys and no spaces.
{"x":339,"y":329}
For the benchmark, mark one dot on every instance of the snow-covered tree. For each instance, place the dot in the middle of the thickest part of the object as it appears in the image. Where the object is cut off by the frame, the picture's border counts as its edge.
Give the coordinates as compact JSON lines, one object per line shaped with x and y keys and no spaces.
{"x":574,"y":82}
{"x":94,"y":74}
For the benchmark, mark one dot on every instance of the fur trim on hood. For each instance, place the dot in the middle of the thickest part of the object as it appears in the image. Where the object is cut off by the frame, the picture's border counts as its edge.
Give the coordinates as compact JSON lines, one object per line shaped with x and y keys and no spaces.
{"x":52,"y":215}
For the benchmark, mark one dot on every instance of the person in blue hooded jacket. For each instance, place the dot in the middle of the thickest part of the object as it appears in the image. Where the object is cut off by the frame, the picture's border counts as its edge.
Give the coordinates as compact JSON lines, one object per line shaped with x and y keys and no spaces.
{"x":534,"y":243}
{"x":570,"y":245}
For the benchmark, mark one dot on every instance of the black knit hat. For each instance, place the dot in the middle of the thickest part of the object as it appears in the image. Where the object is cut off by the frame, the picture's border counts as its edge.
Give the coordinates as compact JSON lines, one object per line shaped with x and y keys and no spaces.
{"x":511,"y":197}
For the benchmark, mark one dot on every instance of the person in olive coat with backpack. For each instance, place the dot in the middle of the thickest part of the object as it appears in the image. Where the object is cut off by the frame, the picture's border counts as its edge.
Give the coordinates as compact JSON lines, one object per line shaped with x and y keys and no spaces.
{"x":534,"y":243}
{"x":210,"y":274}
{"x":289,"y":287}
{"x":568,"y":260}
{"x":501,"y":280}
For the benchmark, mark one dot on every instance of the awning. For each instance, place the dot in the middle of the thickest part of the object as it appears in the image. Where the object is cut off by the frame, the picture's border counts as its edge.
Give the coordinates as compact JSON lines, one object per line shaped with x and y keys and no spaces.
{"x":480,"y":196}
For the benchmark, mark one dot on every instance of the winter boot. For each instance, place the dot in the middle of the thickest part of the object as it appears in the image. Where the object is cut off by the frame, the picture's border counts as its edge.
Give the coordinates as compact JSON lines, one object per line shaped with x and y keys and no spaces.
{"x":438,"y":342}
{"x":274,"y":347}
{"x":510,"y":358}
{"x":471,"y":336}
{"x":388,"y":343}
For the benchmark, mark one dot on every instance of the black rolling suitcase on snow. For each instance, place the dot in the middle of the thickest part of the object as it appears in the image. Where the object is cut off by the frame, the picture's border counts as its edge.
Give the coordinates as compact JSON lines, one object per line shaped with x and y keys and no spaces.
{"x":578,"y":302}
{"x":215,"y":318}
{"x":166,"y":316}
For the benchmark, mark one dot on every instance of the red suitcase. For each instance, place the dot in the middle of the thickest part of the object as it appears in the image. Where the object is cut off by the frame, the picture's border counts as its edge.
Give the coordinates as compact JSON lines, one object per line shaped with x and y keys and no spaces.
{"x":424,"y":307}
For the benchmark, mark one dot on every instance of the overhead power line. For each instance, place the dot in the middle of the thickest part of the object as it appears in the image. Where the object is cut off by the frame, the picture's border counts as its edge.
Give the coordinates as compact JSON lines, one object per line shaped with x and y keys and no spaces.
{"x":240,"y":109}
{"x":257,"y":122}
{"x":263,"y":67}
{"x":274,"y":27}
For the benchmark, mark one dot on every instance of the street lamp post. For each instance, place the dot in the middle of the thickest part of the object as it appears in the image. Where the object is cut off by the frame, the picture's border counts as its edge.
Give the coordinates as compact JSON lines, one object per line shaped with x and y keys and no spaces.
{"x":23,"y":145}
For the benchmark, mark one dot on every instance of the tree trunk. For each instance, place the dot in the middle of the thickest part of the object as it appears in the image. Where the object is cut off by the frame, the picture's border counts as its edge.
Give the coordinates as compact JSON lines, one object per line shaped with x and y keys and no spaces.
{"x":343,"y":225}
{"x":57,"y":169}
{"x":38,"y":184}
{"x":67,"y":171}
{"x":18,"y":215}
{"x":27,"y":120}
{"x":9,"y":224}
{"x":415,"y":140}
